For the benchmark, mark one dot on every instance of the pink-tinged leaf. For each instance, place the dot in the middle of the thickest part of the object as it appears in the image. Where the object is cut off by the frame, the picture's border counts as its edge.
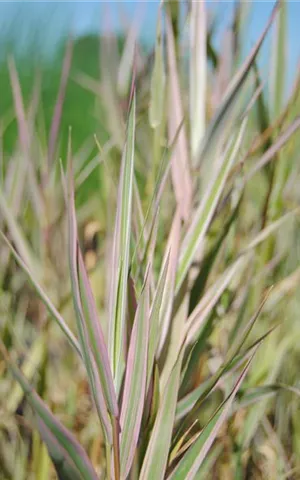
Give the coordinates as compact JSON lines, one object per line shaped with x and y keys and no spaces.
{"x":24,"y":138}
{"x":155,"y":317}
{"x":84,"y":339}
{"x":135,"y":384}
{"x":181,"y":177}
{"x":97,"y":338}
{"x":64,"y":466}
{"x":19,"y":106}
{"x":121,"y":250}
{"x":65,"y":440}
{"x":172,"y":251}
{"x":156,"y":458}
{"x":59,"y":103}
{"x":189,"y":465}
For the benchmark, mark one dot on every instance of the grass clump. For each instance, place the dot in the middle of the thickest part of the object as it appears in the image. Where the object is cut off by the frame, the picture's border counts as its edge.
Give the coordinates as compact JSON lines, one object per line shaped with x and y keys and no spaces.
{"x":186,"y":339}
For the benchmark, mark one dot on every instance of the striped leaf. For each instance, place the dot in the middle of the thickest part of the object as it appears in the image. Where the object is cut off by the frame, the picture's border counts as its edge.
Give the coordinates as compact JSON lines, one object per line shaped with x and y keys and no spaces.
{"x":121,"y":250}
{"x":222,"y":120}
{"x":135,"y":384}
{"x":181,"y":177}
{"x":156,"y":458}
{"x":96,"y":386}
{"x":196,"y":232}
{"x":189,"y":465}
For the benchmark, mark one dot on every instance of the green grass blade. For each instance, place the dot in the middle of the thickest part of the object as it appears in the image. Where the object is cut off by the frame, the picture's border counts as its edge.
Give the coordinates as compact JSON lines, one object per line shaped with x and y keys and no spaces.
{"x":256,"y":394}
{"x":135,"y":384}
{"x":155,"y":461}
{"x":196,"y":320}
{"x":192,"y":401}
{"x":57,"y":113}
{"x":25,"y":141}
{"x":274,"y":148}
{"x":121,"y":252}
{"x":269,"y":229}
{"x":47,"y":302}
{"x":63,"y":464}
{"x":168,"y":297}
{"x":17,"y":235}
{"x":278,"y":65}
{"x":196,"y":232}
{"x":200,"y":313}
{"x":155,"y":315}
{"x":222,"y":120}
{"x":192,"y":460}
{"x":209,"y":260}
{"x":241,"y":338}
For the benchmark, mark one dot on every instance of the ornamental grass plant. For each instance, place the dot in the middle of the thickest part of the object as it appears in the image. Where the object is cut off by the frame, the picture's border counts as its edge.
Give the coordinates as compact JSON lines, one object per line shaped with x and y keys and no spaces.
{"x":168,"y":348}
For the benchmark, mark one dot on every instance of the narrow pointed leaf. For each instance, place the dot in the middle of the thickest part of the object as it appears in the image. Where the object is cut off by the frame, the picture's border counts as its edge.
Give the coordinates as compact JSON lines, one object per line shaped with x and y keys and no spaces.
{"x":196,"y":232}
{"x":192,"y":401}
{"x":87,"y":354}
{"x":127,"y":59}
{"x":279,"y":61}
{"x":17,"y":235}
{"x":180,"y":160}
{"x":24,"y":137}
{"x":47,"y":302}
{"x":221,"y":122}
{"x":135,"y":384}
{"x":56,"y":119}
{"x":64,"y":466}
{"x":208,"y":261}
{"x":168,"y":298}
{"x":274,"y":148}
{"x":154,"y":320}
{"x":191,"y":462}
{"x":201,"y":312}
{"x":155,"y":461}
{"x":121,"y":252}
{"x":269,"y":229}
{"x":97,"y":339}
{"x":242,"y":337}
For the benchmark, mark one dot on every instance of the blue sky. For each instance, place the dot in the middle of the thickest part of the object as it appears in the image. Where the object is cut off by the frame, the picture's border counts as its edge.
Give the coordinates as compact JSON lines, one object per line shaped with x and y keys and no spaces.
{"x":52,"y":20}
